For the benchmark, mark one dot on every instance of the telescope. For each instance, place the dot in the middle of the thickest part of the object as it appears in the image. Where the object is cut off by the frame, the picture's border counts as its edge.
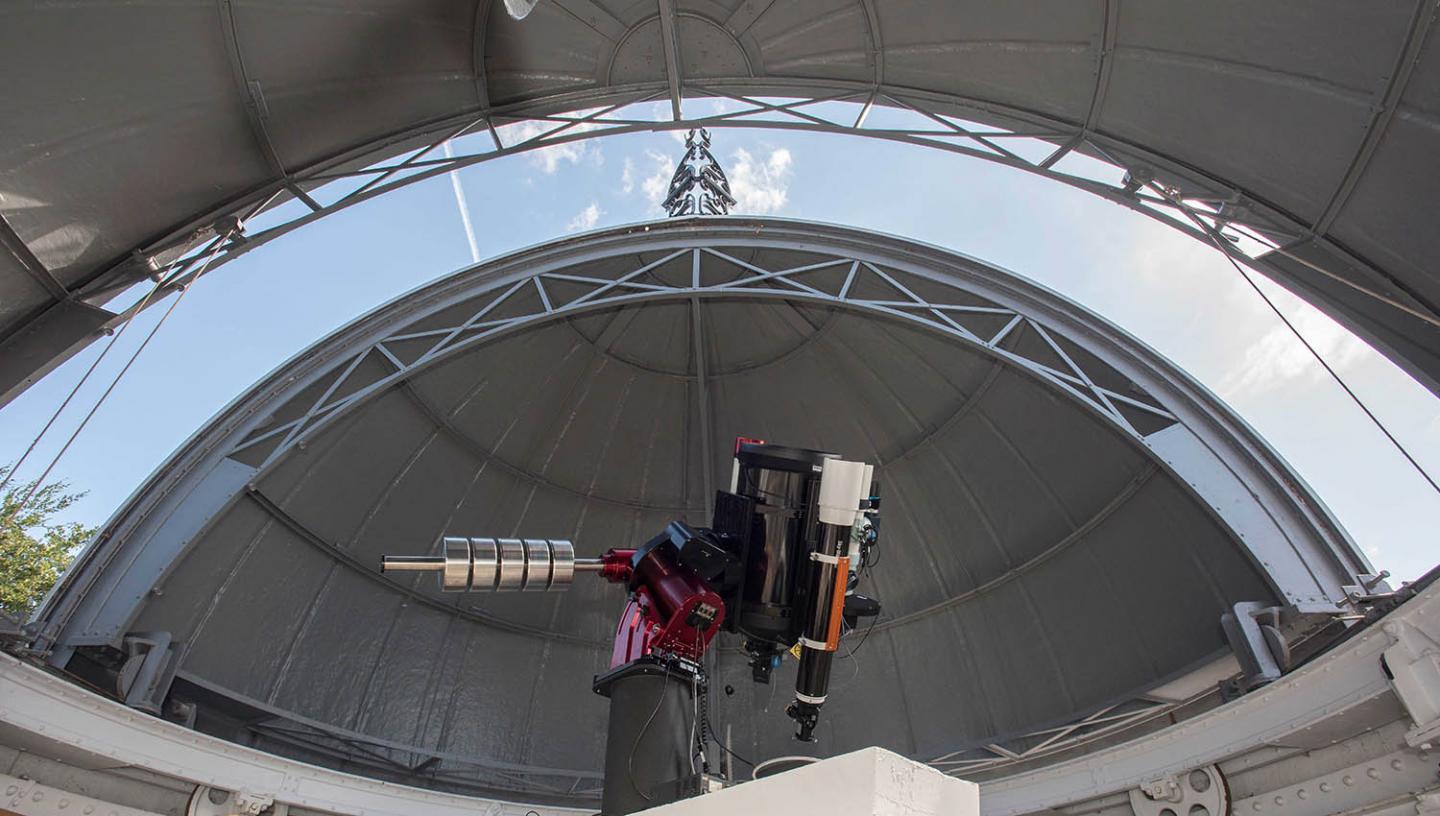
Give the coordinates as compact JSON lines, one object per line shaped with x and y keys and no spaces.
{"x":788,"y":545}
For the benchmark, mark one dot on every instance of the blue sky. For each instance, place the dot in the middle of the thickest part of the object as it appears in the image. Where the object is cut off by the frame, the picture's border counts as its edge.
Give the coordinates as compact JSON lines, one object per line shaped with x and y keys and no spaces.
{"x":1176,"y":294}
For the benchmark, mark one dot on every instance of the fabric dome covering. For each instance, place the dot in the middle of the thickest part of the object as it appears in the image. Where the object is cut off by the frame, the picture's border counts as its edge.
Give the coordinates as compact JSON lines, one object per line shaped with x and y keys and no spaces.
{"x":1066,"y":515}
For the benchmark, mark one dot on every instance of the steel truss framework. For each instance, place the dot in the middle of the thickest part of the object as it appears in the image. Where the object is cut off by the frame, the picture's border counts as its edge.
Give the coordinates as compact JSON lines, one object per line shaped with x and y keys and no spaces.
{"x":1103,"y":371}
{"x":533,"y":299}
{"x":1033,"y":748}
{"x":1247,"y":230}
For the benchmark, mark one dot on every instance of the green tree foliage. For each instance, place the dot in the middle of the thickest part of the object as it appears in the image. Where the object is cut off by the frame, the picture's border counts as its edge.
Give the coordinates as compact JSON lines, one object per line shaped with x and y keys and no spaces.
{"x":34,"y":548}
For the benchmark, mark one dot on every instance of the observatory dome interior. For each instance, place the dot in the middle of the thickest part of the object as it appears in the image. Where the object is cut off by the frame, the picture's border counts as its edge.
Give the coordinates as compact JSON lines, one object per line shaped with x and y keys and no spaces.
{"x":1063,"y":526}
{"x":1067,"y":516}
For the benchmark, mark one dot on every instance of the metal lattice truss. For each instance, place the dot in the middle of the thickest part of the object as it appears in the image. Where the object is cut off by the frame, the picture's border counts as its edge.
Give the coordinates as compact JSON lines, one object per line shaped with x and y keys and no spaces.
{"x":448,"y":770}
{"x":846,"y":282}
{"x":1035,"y":745}
{"x":1205,"y":210}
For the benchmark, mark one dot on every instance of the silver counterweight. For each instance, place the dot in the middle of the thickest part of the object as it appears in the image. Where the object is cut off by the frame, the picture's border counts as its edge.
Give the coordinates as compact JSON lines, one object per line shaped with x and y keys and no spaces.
{"x":498,"y":564}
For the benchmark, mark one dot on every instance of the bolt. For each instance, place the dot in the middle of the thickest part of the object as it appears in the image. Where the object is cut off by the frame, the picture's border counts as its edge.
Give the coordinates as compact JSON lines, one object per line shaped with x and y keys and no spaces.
{"x":1348,"y":780}
{"x":1372,"y":773}
{"x":1302,"y":794}
{"x":1324,"y":787}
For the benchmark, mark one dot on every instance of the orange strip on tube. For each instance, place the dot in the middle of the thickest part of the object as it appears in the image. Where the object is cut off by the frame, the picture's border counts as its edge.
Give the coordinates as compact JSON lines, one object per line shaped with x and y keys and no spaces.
{"x":837,"y":603}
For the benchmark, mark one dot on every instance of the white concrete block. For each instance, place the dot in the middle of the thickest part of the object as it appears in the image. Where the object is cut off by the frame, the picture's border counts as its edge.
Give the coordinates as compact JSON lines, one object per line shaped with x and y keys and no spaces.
{"x":868,"y":782}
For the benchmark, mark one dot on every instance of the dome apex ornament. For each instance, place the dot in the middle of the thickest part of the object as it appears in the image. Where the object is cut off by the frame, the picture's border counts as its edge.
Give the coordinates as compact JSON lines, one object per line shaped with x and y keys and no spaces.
{"x":699,"y":186}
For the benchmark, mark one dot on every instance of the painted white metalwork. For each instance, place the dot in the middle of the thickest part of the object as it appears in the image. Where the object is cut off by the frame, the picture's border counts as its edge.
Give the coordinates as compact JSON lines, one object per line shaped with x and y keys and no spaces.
{"x":28,"y":797}
{"x":1200,"y":792}
{"x":1405,"y":774}
{"x":1414,"y":665}
{"x":1347,"y":680}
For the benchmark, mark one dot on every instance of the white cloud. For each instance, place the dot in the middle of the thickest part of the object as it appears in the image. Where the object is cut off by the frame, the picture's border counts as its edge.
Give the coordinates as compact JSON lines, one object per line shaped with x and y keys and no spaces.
{"x":627,"y":176}
{"x":586,"y":219}
{"x":548,"y":159}
{"x":657,"y":185}
{"x":1278,"y":360}
{"x":760,"y":187}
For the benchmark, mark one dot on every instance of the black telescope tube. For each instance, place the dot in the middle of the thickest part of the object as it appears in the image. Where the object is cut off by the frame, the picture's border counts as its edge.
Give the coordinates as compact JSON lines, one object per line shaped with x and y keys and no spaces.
{"x":822,"y":629}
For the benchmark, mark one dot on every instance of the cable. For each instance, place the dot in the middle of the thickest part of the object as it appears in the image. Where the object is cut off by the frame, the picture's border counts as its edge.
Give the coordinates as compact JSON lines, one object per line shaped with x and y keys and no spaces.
{"x":727,"y":750}
{"x":849,"y":655}
{"x":1388,"y":301}
{"x":696,"y":744}
{"x":184,"y":288}
{"x":1321,"y":360}
{"x":114,"y":338}
{"x":865,"y":636}
{"x":630,"y":763}
{"x":707,"y":729}
{"x":712,"y":736}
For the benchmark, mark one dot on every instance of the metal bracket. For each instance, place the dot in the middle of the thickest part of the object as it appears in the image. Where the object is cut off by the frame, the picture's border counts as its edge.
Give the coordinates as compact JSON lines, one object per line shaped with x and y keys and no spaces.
{"x":208,"y":801}
{"x":1253,"y":630}
{"x":1413,"y":663}
{"x":148,"y":670}
{"x":1200,"y":792}
{"x":1353,"y":789}
{"x":1372,"y":592}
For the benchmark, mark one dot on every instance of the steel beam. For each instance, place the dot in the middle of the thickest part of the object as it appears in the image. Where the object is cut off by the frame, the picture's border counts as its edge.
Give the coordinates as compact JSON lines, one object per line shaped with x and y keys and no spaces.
{"x":670,"y":42}
{"x":745,"y":16}
{"x":18,"y":249}
{"x":252,"y":95}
